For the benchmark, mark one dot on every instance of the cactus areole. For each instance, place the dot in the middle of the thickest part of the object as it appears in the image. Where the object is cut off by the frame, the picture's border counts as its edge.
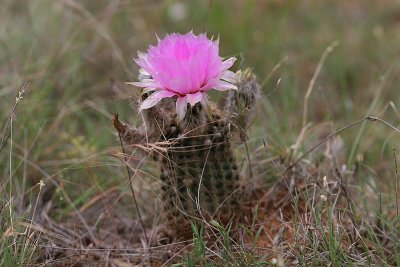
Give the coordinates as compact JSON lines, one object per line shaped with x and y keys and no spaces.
{"x":199,"y":175}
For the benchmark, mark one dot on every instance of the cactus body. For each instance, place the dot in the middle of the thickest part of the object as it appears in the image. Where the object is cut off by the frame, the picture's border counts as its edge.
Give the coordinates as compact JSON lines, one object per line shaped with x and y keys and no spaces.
{"x":197,"y":153}
{"x":201,"y":156}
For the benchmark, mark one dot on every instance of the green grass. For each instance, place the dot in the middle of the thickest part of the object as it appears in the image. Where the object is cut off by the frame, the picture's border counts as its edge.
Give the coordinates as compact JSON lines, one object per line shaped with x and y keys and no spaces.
{"x":76,"y":55}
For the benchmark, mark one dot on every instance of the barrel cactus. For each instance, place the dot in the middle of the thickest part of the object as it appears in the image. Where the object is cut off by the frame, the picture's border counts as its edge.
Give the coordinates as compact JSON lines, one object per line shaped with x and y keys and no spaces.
{"x":189,"y":135}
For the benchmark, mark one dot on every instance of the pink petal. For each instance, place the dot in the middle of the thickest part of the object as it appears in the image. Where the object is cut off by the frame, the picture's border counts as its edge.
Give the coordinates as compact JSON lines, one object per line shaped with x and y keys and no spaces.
{"x":143,"y":62}
{"x":181,"y":107}
{"x":180,"y":85}
{"x":228,"y":63}
{"x":163,"y":94}
{"x":224,"y":86}
{"x":154,"y":98}
{"x":210,"y":84}
{"x":194,"y":98}
{"x":148,"y":103}
{"x":229,"y":76}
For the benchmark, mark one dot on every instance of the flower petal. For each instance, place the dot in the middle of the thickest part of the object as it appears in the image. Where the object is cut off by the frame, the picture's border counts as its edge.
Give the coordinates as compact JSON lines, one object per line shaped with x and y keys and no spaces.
{"x":148,"y":103}
{"x":229,"y":76}
{"x":194,"y":98}
{"x":142,"y":61}
{"x":224,"y":86}
{"x":206,"y":105}
{"x":228,"y":63}
{"x":154,"y":98}
{"x":144,"y":72}
{"x":181,"y":107}
{"x":145,"y":83}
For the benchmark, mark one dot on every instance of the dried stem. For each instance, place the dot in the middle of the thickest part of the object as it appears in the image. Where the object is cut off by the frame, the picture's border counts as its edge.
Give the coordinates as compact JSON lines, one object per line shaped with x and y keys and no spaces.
{"x":6,"y":134}
{"x":304,"y":125}
{"x":396,"y":182}
{"x":119,"y":126}
{"x":367,"y":118}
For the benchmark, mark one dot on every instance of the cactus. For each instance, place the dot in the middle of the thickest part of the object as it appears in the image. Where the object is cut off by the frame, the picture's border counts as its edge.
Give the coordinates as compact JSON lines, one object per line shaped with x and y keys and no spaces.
{"x":197,"y":151}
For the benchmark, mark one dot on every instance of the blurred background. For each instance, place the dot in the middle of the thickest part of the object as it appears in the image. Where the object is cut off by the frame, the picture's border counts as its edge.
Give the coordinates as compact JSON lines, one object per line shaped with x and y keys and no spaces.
{"x":76,"y":56}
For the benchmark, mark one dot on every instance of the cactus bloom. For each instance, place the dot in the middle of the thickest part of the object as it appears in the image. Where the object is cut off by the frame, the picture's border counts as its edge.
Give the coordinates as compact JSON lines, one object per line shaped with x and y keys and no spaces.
{"x":186,"y":66}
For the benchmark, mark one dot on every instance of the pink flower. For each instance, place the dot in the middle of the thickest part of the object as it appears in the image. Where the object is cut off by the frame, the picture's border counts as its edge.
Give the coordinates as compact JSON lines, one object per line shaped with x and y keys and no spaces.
{"x":186,"y":66}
